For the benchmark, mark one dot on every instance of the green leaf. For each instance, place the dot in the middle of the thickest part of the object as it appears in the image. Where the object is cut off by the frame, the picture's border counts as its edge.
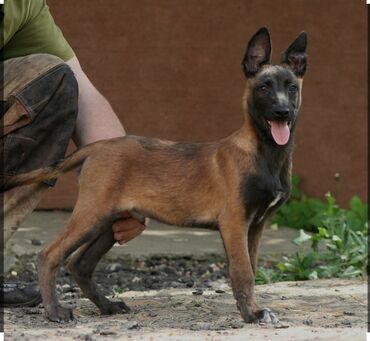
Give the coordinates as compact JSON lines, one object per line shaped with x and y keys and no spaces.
{"x":302,"y":238}
{"x":336,"y":239}
{"x":313,"y":275}
{"x":323,"y":232}
{"x":281,"y":267}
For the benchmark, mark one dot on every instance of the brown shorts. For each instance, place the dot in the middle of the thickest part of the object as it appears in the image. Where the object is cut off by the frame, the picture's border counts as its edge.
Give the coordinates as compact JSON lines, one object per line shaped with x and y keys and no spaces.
{"x":40,"y":105}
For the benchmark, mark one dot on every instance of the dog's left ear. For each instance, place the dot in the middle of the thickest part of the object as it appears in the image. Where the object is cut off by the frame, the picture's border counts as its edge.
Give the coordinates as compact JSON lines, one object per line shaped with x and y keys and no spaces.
{"x":295,"y":55}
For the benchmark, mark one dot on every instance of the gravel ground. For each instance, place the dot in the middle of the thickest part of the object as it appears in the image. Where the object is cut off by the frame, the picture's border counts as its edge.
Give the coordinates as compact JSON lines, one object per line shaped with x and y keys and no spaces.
{"x":144,"y":273}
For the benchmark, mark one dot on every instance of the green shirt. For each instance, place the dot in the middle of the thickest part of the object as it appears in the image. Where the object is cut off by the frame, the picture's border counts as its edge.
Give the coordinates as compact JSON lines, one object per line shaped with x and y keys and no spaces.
{"x":29,"y":28}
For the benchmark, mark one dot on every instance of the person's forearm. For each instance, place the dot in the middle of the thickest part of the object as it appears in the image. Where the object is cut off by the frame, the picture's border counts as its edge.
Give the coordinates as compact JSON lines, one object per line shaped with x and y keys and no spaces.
{"x":96,"y":119}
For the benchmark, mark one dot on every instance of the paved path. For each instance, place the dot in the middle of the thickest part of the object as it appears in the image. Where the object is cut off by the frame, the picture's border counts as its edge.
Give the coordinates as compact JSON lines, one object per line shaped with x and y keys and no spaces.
{"x":157,"y":238}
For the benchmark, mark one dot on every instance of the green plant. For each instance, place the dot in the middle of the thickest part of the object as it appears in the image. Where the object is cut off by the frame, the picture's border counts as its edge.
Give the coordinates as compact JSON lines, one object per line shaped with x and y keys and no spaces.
{"x":303,"y":212}
{"x":266,"y":275}
{"x":300,"y":211}
{"x":336,"y":248}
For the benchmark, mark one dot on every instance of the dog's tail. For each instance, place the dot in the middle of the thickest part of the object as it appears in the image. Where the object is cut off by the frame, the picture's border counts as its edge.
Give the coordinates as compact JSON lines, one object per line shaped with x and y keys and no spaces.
{"x":49,"y":173}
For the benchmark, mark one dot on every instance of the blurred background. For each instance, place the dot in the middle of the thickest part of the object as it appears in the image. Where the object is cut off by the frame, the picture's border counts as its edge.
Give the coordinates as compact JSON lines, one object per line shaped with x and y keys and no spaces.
{"x":172,"y":69}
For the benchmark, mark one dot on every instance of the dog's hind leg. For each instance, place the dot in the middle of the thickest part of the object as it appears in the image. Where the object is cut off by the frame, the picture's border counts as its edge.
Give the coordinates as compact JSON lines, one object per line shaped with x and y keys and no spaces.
{"x":82,"y":266}
{"x":83,"y":227}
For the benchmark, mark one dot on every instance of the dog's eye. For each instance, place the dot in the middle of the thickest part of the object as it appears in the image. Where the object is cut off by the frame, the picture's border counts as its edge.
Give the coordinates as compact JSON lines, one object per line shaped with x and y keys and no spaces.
{"x":292,"y":88}
{"x":263,"y":88}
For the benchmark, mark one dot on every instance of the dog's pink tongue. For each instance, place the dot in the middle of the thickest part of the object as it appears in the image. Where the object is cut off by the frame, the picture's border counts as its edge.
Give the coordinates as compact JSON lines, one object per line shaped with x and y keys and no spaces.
{"x":280,"y":132}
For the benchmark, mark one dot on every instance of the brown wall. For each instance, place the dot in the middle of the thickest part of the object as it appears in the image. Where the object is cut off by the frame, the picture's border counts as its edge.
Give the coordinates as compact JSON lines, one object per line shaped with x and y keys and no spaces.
{"x":171,"y":69}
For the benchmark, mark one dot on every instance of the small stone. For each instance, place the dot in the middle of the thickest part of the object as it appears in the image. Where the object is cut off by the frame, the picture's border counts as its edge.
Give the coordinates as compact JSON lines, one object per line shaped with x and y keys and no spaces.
{"x":37,"y":242}
{"x":197,"y":292}
{"x":219,"y":291}
{"x":308,"y":322}
{"x":136,"y":279}
{"x":133,"y":325}
{"x":349,"y":313}
{"x":237,"y":325}
{"x":281,"y":326}
{"x":86,"y":337}
{"x":30,"y":266}
{"x":96,"y":330}
{"x":189,"y":283}
{"x":107,"y":332}
{"x":59,"y":289}
{"x":68,"y":295}
{"x":66,"y":288}
{"x":114,"y":267}
{"x":33,"y":311}
{"x":274,"y":227}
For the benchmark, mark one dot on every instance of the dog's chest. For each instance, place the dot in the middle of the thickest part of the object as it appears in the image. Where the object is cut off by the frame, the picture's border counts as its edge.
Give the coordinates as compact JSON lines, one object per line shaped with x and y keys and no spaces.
{"x":262,"y":194}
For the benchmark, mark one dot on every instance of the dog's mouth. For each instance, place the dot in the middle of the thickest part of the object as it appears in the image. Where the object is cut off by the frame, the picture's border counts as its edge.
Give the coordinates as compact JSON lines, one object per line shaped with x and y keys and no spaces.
{"x":280,"y":131}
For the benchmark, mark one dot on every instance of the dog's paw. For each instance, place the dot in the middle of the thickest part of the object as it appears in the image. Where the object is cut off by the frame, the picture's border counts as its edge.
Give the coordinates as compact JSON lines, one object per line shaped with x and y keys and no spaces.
{"x":60,"y":315}
{"x":265,"y":315}
{"x":115,"y":308}
{"x":247,"y":313}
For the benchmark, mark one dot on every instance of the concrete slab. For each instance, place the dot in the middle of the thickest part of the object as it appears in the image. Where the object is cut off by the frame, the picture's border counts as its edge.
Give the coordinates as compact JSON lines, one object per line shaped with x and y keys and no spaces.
{"x":156,"y":239}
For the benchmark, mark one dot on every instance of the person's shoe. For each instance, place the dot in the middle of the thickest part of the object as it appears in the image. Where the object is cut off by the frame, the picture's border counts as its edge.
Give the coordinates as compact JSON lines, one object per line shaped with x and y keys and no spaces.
{"x":20,"y":295}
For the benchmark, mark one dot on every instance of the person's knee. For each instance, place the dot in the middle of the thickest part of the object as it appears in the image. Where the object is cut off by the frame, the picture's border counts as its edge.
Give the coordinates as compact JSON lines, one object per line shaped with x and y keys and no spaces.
{"x":62,"y":96}
{"x":59,"y":78}
{"x":68,"y":87}
{"x":69,"y":81}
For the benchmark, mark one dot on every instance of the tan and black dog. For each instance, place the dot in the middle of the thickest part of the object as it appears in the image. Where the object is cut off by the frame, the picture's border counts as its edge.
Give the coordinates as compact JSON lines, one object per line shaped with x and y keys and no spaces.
{"x":235,"y":183}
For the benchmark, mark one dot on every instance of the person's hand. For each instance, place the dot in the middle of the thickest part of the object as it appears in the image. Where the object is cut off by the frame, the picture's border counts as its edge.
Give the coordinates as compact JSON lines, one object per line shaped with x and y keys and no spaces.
{"x":127,"y":228}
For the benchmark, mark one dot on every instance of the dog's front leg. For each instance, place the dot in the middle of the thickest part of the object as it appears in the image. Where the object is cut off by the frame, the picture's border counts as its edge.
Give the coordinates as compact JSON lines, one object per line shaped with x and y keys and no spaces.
{"x":234,"y":233}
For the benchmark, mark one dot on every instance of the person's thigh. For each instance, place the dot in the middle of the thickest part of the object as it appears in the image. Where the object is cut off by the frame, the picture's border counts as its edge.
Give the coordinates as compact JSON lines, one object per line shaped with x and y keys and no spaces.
{"x":40,"y":105}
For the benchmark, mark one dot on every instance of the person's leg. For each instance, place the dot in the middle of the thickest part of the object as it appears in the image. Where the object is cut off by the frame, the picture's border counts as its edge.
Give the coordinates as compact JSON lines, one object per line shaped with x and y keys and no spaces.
{"x":40,"y":95}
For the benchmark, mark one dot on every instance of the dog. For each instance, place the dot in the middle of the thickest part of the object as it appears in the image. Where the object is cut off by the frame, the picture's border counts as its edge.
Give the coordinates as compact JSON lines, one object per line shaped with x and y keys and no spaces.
{"x":235,"y":183}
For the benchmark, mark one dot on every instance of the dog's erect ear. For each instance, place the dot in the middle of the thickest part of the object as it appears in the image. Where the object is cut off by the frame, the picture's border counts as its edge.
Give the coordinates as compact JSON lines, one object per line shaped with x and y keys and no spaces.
{"x":295,"y":55}
{"x":258,"y":52}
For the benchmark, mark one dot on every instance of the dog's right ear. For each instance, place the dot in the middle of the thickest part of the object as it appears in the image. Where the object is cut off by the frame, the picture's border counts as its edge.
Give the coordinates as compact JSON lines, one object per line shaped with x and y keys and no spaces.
{"x":258,"y":52}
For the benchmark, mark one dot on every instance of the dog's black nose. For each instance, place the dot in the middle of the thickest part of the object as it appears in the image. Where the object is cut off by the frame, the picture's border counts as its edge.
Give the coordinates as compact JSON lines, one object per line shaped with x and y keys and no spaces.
{"x":281,"y":113}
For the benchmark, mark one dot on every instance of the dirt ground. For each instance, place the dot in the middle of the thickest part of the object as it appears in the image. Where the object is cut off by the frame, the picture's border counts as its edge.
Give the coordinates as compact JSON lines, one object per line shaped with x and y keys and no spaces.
{"x":181,"y":295}
{"x":310,"y":310}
